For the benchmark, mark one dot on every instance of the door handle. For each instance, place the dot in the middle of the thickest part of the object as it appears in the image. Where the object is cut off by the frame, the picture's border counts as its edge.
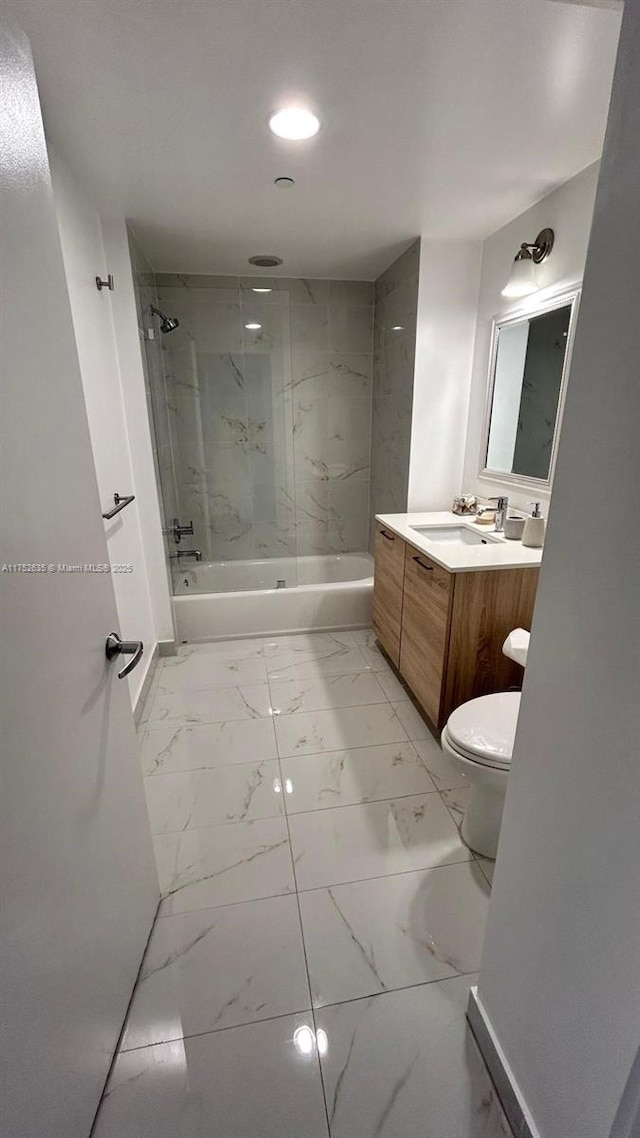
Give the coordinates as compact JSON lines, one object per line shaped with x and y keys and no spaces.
{"x":427,"y":568}
{"x":114,"y":646}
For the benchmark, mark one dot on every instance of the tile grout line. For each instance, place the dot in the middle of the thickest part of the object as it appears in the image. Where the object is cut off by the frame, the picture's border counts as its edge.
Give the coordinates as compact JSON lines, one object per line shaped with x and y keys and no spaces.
{"x":302,"y":939}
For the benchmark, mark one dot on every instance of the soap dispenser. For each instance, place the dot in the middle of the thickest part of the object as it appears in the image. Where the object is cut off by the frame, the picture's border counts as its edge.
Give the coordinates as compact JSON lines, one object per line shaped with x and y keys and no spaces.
{"x":534,"y":528}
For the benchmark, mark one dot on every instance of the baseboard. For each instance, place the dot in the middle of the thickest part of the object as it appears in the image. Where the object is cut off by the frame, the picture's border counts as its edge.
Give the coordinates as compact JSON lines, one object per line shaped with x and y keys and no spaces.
{"x":513,"y":1103}
{"x":167,"y":648}
{"x":144,"y":690}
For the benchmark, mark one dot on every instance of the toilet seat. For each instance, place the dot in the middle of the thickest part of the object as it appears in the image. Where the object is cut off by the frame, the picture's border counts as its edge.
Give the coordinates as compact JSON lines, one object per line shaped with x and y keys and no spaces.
{"x":483,"y":730}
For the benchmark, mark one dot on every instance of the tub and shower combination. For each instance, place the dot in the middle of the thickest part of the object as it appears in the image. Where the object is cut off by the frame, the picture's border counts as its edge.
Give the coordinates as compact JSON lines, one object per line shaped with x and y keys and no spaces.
{"x":222,"y":600}
{"x":260,"y":399}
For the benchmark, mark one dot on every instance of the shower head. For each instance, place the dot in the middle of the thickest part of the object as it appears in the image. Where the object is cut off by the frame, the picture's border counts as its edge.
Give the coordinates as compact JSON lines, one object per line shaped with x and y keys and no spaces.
{"x":167,"y":323}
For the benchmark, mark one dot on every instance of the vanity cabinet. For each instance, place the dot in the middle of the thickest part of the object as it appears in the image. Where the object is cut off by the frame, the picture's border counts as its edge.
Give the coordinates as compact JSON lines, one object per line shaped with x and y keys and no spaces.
{"x":387,"y":590}
{"x":444,"y":631}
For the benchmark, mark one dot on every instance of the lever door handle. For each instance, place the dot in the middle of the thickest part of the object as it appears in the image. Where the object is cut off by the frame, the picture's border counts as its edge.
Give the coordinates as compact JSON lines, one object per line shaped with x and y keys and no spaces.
{"x":114,"y":646}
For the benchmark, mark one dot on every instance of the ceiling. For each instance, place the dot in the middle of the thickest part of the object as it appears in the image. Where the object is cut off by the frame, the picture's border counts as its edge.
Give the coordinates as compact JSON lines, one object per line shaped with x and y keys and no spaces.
{"x":440,"y":117}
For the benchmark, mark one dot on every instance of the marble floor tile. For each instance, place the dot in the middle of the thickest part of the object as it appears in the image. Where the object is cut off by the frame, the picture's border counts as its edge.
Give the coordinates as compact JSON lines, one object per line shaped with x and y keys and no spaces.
{"x":372,"y":655}
{"x":393,"y":932}
{"x":345,"y":778}
{"x":218,"y":968}
{"x":320,"y":692}
{"x":487,"y":865}
{"x":352,"y":843}
{"x":412,"y":720}
{"x":191,"y":800}
{"x":240,"y":1083}
{"x":444,"y":770}
{"x":208,"y":670}
{"x":391,"y":686}
{"x":252,"y":648}
{"x":456,"y":801}
{"x":223,"y":864}
{"x":311,"y":732}
{"x":170,"y":749}
{"x":302,"y":644}
{"x":405,"y":1063}
{"x":314,"y":660}
{"x":209,"y":705}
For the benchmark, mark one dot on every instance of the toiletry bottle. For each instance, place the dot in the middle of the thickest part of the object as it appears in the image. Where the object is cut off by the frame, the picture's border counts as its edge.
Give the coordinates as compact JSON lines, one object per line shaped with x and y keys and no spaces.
{"x":534,"y":528}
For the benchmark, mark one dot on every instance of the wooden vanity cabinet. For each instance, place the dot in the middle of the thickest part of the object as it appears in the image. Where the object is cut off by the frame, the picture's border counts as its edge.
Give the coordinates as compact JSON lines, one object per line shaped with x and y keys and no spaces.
{"x":387,"y":590}
{"x":444,"y":631}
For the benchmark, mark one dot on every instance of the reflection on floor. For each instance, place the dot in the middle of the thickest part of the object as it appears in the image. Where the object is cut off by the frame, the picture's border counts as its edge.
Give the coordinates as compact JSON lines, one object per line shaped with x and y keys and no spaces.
{"x":322,"y":921}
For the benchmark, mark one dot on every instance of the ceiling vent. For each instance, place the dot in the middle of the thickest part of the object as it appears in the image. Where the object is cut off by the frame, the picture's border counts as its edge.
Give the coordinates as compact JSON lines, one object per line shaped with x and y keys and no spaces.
{"x":265,"y":261}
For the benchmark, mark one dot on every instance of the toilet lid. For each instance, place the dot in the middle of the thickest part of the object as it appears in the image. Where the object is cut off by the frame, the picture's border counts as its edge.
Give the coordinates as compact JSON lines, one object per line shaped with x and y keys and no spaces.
{"x":485,"y":728}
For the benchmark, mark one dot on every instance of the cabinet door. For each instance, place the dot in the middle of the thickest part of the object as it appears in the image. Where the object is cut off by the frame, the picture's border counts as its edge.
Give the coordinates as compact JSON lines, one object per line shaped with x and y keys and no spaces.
{"x":425,"y":630}
{"x":387,"y":590}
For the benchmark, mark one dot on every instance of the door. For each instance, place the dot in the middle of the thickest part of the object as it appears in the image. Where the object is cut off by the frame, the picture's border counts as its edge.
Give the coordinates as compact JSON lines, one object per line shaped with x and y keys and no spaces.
{"x":77,"y":883}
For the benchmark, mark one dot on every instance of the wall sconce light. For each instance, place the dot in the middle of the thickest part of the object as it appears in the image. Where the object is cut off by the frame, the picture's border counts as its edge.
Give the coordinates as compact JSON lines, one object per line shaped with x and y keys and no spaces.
{"x":522,"y":280}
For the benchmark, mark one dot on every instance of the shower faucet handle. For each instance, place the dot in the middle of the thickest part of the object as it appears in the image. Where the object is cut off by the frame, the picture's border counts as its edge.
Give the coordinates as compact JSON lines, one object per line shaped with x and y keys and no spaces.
{"x":177,"y":531}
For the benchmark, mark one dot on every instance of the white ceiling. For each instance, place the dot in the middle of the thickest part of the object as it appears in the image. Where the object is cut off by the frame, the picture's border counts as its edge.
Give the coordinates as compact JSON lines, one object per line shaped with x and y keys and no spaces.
{"x":440,"y":117}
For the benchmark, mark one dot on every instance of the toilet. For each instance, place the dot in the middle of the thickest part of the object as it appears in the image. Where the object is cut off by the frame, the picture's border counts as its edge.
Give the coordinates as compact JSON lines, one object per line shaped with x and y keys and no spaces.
{"x":479,"y":736}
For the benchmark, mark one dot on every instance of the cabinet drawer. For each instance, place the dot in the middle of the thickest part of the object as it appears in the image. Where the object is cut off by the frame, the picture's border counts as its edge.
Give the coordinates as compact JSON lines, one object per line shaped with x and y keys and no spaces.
{"x":428,"y":591}
{"x":387,"y":590}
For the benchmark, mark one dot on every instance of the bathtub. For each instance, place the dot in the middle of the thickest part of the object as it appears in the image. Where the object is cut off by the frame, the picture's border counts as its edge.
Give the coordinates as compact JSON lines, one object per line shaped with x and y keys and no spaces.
{"x":216,"y":600}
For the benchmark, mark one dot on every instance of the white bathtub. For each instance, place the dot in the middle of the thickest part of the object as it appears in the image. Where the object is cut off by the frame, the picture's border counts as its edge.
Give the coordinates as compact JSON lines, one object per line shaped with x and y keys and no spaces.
{"x":220,"y":600}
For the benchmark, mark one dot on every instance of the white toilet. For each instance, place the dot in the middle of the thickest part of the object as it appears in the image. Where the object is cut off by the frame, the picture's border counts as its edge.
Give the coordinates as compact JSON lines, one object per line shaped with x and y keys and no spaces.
{"x":479,"y":735}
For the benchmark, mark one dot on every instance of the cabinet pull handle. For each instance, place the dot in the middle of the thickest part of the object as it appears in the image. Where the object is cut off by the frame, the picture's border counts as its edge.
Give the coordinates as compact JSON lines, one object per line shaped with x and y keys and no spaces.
{"x":387,"y":535}
{"x":427,"y":568}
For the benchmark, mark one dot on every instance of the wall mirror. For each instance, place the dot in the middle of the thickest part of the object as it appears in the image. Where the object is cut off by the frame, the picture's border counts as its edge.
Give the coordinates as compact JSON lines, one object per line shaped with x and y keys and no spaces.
{"x":528,"y":368}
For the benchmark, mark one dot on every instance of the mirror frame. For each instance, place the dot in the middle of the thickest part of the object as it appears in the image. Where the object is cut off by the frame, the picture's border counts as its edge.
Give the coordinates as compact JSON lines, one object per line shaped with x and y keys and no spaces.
{"x":558,"y":300}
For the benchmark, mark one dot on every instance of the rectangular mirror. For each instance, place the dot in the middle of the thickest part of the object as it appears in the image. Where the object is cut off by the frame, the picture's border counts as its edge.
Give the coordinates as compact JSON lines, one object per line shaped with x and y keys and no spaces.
{"x":527,"y":377}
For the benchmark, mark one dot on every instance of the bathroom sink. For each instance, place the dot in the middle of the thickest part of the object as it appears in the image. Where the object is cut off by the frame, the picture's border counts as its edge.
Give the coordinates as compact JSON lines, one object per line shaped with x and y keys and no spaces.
{"x":455,"y":535}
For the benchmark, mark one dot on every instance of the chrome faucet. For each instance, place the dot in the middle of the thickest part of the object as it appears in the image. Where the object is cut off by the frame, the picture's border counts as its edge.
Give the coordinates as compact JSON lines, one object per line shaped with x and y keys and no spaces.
{"x":502,"y":505}
{"x":186,"y":553}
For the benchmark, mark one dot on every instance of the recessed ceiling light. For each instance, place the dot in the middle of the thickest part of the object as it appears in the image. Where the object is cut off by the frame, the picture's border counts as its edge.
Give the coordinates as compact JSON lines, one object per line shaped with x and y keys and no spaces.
{"x":294,"y":123}
{"x":253,"y":327}
{"x":261,"y":290}
{"x":284,"y":183}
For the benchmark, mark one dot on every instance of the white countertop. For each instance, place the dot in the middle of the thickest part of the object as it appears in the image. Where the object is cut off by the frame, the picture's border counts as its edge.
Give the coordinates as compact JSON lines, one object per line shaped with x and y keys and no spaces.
{"x":496,"y":554}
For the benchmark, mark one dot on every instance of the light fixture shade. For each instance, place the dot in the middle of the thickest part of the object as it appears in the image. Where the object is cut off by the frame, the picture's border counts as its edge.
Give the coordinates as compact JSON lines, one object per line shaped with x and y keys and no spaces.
{"x":294,"y":123}
{"x":522,"y":280}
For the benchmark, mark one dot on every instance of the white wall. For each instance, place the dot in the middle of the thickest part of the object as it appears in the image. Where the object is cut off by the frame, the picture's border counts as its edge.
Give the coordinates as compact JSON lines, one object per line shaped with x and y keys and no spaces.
{"x":132,"y":370}
{"x":568,"y":210}
{"x":559,"y":977}
{"x":447,"y":304}
{"x":85,"y":257}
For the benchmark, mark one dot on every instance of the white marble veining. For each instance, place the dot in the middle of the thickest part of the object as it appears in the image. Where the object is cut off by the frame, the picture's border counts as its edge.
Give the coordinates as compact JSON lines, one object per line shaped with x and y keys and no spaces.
{"x":346,"y":778}
{"x":222,"y":864}
{"x":334,"y":730}
{"x":405,"y":1063}
{"x":393,"y":932}
{"x":192,"y":705}
{"x":445,"y":771}
{"x":351,"y":843}
{"x":190,"y":800}
{"x":219,"y":968}
{"x":308,"y":851}
{"x":168,"y":749}
{"x":239,"y":1083}
{"x":320,"y":692}
{"x":202,"y":670}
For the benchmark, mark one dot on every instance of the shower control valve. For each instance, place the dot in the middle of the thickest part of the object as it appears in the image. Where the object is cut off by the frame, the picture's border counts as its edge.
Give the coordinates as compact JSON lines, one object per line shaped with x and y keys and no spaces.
{"x":177,"y":531}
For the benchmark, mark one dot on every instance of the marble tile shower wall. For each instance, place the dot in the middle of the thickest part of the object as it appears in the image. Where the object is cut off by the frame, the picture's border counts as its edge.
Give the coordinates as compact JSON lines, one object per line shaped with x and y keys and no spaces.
{"x":396,"y":305}
{"x":269,"y":428}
